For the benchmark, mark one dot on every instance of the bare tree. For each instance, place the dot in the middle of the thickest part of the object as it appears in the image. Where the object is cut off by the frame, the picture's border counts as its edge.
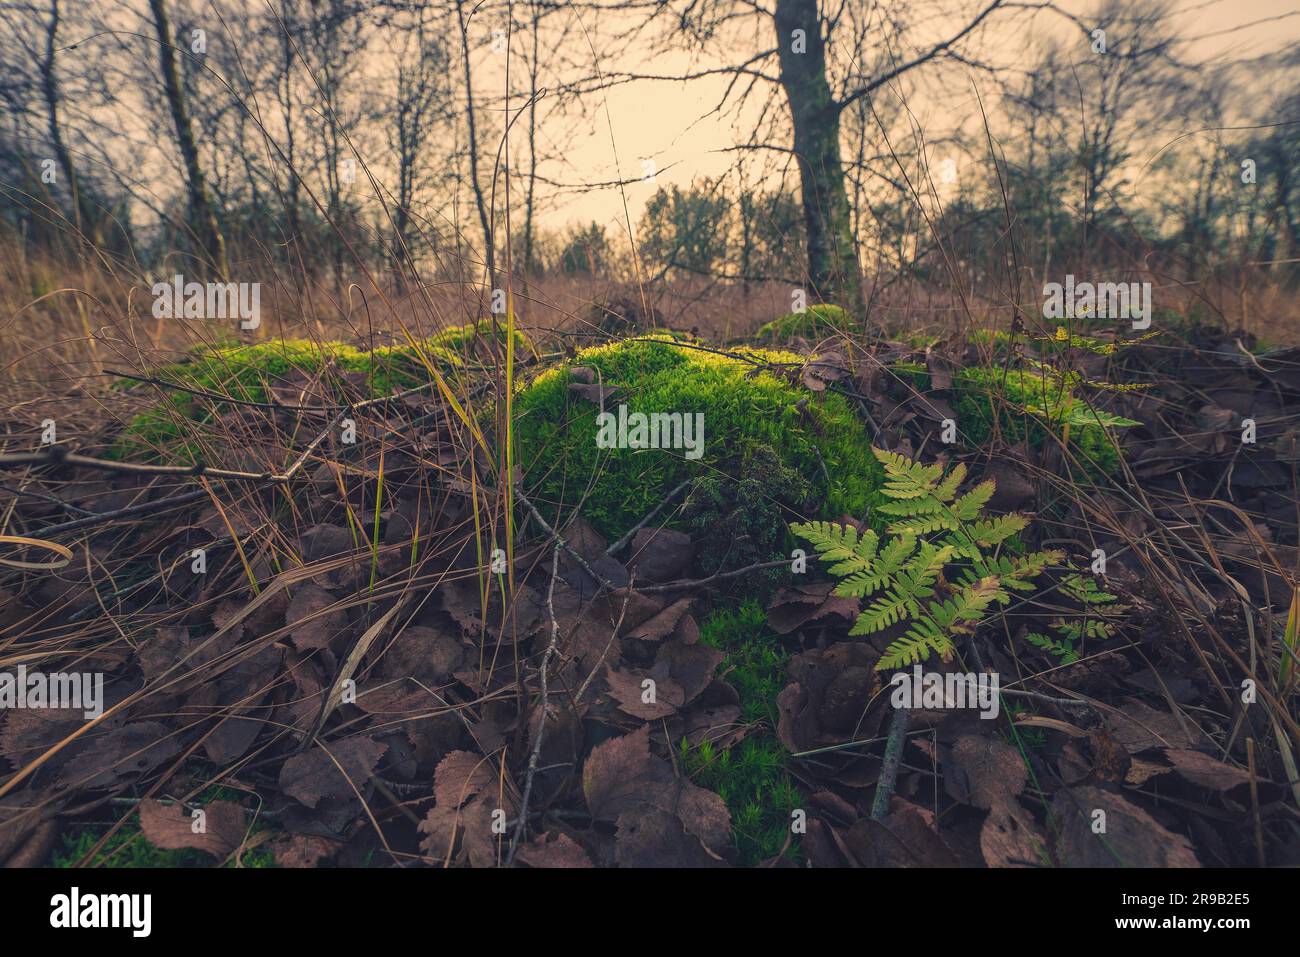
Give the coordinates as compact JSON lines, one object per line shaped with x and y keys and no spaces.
{"x":819,"y":82}
{"x":203,"y":216}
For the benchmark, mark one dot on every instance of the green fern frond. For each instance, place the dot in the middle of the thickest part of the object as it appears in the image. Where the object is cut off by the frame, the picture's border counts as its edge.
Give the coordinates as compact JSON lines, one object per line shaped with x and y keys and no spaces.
{"x":906,"y":479}
{"x":911,"y":649}
{"x":990,"y":531}
{"x":924,"y":525}
{"x":932,"y":569}
{"x":969,"y":506}
{"x":1059,"y":649}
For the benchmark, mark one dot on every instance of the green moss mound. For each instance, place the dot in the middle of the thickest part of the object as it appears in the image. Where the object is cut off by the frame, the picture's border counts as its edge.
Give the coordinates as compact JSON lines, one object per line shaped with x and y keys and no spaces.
{"x":745,"y":407}
{"x":247,"y":373}
{"x":751,"y":777}
{"x":1023,"y":405}
{"x":816,"y":322}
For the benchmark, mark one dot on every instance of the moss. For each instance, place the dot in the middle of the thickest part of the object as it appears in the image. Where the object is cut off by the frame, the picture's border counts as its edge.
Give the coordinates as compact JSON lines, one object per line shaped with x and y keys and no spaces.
{"x":815,"y":322}
{"x":977,"y":392}
{"x":752,"y":776}
{"x":984,"y":395}
{"x":744,"y":408}
{"x":740,"y":522}
{"x":246,"y":372}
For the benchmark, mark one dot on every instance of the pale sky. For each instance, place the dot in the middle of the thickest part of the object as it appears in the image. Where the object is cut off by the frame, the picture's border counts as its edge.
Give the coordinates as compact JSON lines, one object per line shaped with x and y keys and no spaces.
{"x":668,"y":122}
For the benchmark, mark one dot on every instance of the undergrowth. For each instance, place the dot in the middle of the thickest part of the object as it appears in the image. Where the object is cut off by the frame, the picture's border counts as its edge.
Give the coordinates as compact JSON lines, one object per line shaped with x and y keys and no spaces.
{"x":815,"y":322}
{"x":751,"y":776}
{"x":249,"y":373}
{"x":1029,"y":403}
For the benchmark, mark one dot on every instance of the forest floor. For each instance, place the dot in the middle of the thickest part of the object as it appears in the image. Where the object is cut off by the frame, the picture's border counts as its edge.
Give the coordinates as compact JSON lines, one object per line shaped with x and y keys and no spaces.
{"x":319,"y":657}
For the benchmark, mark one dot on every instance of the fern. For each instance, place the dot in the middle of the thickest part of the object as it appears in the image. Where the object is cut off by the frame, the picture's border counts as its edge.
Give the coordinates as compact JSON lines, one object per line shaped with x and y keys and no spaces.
{"x":936,"y":569}
{"x":1101,"y":611}
{"x":1060,"y":649}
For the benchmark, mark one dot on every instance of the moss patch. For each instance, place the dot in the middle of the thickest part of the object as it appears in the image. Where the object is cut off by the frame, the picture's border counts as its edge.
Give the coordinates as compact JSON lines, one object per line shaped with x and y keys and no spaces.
{"x":815,"y":322}
{"x":751,"y":777}
{"x":744,"y":406}
{"x":1024,"y":405}
{"x":247,"y":373}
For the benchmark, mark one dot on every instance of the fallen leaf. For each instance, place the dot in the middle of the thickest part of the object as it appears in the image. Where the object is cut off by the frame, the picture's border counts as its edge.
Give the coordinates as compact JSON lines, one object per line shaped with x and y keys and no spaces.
{"x":338,"y":770}
{"x":218,"y":831}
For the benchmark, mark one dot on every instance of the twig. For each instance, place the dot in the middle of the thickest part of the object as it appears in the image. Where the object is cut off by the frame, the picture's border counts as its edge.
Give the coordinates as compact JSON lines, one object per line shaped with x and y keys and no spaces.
{"x":559,"y":540}
{"x":541,"y":724}
{"x":618,"y":626}
{"x":129,"y":511}
{"x":889,"y":768}
{"x":650,"y":516}
{"x":700,"y":582}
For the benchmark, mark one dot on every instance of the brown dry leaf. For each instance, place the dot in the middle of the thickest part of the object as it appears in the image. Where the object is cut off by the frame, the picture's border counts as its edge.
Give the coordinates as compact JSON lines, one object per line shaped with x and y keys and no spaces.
{"x":628,"y":688}
{"x":648,"y":836}
{"x":1141,"y":771}
{"x":621,"y":774}
{"x":660,"y":625}
{"x":562,"y":852}
{"x":310,"y":624}
{"x":1110,"y":759}
{"x":316,"y":775}
{"x":1204,"y":771}
{"x":691,"y":666}
{"x":793,"y":607}
{"x":1138,"y":727}
{"x":1011,"y":838}
{"x":304,"y":850}
{"x":1132,"y":838}
{"x":467,"y":810}
{"x":426,"y":654}
{"x":217,"y":829}
{"x":984,"y":770}
{"x":660,"y":554}
{"x":903,"y":838}
{"x":124,"y":754}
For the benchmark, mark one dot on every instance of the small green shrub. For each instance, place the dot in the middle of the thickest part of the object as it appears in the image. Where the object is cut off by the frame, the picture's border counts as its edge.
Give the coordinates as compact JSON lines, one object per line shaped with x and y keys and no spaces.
{"x":815,"y":322}
{"x":745,"y":407}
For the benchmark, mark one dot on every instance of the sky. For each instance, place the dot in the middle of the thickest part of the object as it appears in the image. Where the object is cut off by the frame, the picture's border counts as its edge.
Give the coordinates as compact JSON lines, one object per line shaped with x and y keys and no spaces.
{"x":672,"y":125}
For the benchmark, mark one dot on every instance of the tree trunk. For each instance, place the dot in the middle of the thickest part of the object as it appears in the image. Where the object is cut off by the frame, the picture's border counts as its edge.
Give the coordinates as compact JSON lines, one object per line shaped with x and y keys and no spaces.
{"x":86,"y":218}
{"x":832,"y":254}
{"x":479,"y":200}
{"x":202,"y":214}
